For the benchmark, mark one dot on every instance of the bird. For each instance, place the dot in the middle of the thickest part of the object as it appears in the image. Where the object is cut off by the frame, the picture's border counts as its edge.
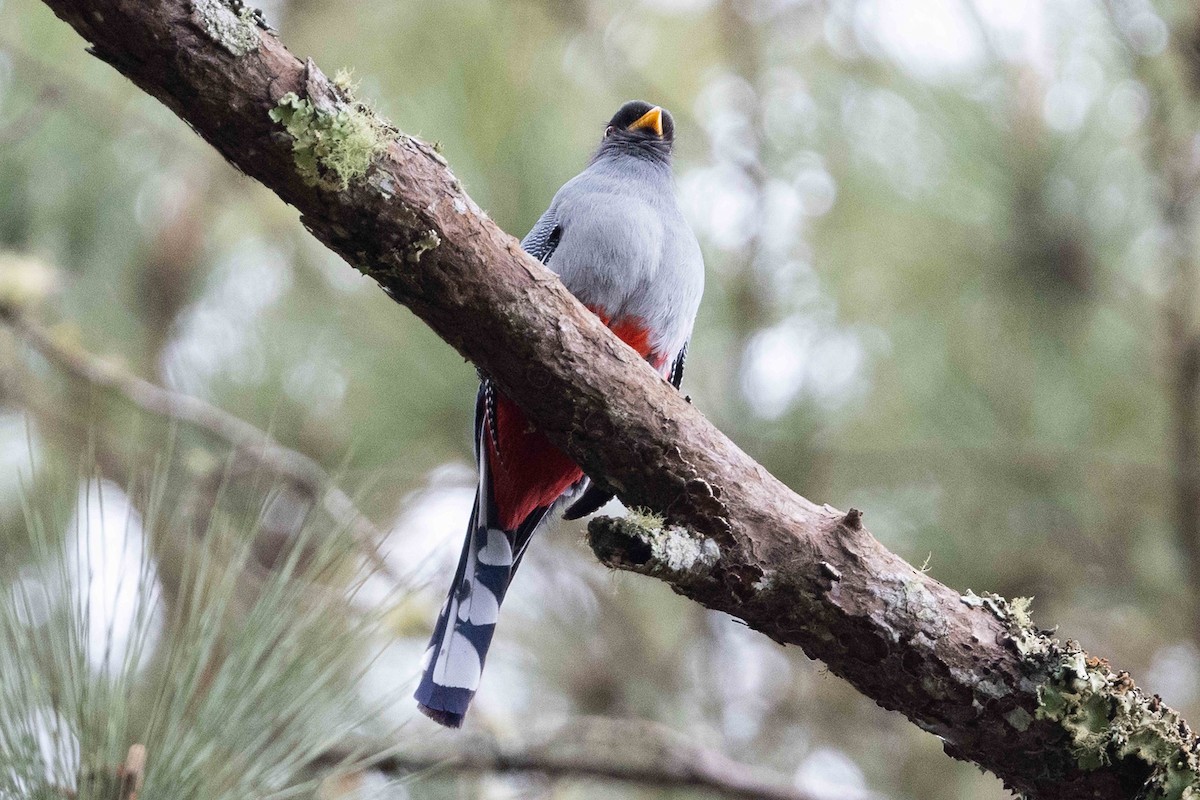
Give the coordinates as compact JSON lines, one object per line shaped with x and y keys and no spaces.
{"x":616,"y":236}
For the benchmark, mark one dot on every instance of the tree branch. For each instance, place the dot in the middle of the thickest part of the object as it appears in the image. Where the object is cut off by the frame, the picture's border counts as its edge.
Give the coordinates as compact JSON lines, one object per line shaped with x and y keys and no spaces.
{"x":295,"y":467}
{"x":1047,"y":719}
{"x":607,"y":749}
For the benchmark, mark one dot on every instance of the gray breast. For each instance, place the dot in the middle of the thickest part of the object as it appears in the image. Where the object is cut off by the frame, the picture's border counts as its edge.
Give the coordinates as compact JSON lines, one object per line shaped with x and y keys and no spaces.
{"x":626,"y":248}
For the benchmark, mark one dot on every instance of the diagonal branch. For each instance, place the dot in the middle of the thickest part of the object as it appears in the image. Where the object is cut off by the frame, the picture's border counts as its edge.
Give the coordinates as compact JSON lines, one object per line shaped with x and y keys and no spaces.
{"x":607,"y":749}
{"x":1049,"y":720}
{"x":300,"y":470}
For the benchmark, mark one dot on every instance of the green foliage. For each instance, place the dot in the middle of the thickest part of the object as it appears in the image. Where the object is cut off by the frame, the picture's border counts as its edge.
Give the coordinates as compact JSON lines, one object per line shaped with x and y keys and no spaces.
{"x":234,"y":677}
{"x":331,"y":148}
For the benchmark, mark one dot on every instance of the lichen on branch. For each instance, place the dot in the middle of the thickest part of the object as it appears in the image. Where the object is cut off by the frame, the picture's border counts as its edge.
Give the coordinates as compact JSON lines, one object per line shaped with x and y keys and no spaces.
{"x":235,"y":29}
{"x":331,"y":147}
{"x":1106,"y":717}
{"x":1109,"y":720}
{"x":644,"y":542}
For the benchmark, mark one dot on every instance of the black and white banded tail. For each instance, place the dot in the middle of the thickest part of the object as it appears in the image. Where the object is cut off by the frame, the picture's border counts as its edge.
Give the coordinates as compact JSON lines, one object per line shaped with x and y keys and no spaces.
{"x":453,"y":662}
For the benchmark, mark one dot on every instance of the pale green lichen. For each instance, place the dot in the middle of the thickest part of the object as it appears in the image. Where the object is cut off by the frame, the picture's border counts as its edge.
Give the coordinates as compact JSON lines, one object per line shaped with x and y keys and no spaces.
{"x":344,"y":79}
{"x":920,"y":603}
{"x":234,"y":30}
{"x":430,"y":241}
{"x":765,"y":583}
{"x":331,"y":148}
{"x":1014,"y":614}
{"x":1019,"y":718}
{"x":645,"y":518}
{"x":1106,"y":717}
{"x":1109,"y":719}
{"x":644,"y":542}
{"x":674,"y":548}
{"x":679,"y":551}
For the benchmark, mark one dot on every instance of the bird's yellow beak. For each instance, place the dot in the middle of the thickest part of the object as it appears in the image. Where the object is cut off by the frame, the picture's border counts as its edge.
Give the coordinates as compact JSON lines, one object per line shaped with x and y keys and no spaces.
{"x":652,"y":120}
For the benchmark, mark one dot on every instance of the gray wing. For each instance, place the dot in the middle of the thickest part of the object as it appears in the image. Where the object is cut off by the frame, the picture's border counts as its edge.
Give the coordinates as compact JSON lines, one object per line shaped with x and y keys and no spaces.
{"x":676,"y":376}
{"x":543,"y":239}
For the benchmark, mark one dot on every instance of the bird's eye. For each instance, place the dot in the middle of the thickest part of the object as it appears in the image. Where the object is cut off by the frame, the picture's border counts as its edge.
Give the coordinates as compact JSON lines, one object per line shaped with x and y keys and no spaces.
{"x":608,"y":131}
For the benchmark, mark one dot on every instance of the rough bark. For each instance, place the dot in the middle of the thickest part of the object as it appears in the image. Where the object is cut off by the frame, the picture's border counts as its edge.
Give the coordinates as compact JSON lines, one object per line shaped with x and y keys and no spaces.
{"x":1048,"y":720}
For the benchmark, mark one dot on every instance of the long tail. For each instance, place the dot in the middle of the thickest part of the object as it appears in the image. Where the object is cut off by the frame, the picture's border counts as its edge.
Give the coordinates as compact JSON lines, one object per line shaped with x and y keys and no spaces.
{"x":454,"y":660}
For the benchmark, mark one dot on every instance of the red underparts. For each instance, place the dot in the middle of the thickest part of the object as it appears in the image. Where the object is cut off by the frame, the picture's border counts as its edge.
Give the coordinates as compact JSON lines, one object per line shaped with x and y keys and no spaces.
{"x":527,"y":470}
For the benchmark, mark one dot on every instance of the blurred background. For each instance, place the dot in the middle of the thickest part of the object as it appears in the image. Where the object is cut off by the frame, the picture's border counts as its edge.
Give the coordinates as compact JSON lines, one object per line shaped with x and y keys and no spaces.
{"x":952,"y":281}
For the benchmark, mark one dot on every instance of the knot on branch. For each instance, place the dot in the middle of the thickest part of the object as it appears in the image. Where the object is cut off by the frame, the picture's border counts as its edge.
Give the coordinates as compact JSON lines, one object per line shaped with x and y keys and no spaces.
{"x":644,"y":543}
{"x":853,"y":519}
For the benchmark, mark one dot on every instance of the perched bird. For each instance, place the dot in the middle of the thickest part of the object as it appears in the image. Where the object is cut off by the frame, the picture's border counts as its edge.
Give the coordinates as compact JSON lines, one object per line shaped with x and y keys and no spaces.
{"x":616,"y":237}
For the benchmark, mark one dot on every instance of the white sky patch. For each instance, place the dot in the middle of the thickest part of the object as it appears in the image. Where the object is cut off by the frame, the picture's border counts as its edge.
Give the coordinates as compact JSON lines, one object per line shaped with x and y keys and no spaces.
{"x":830,"y":772}
{"x":57,"y":746}
{"x":390,"y":677}
{"x":815,"y":187}
{"x":160,"y":199}
{"x":721,"y":202}
{"x":217,"y":333}
{"x":333,"y":268}
{"x":630,"y":39}
{"x":1017,"y":29}
{"x":1065,"y":106}
{"x":834,"y":368}
{"x":1175,"y":673}
{"x":723,"y":93}
{"x":756,"y":677}
{"x":725,"y":105}
{"x":1068,"y":99}
{"x":16,"y":437}
{"x":580,"y":66}
{"x":931,"y":39}
{"x":108,"y":560}
{"x":428,"y":533}
{"x":782,"y":210}
{"x":1145,"y":31}
{"x":802,"y":357}
{"x":30,"y":598}
{"x":773,"y":371}
{"x":1127,"y":107}
{"x":317,"y":382}
{"x":423,"y":544}
{"x":678,"y":7}
{"x":886,"y":129}
{"x":789,"y":111}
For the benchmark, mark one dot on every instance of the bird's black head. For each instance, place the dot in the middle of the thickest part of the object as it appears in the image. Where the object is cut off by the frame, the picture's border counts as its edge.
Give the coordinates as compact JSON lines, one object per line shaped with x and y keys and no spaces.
{"x":640,"y":129}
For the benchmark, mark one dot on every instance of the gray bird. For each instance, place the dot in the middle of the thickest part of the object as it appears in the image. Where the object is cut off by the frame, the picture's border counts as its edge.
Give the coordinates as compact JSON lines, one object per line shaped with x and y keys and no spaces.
{"x":616,"y":237}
